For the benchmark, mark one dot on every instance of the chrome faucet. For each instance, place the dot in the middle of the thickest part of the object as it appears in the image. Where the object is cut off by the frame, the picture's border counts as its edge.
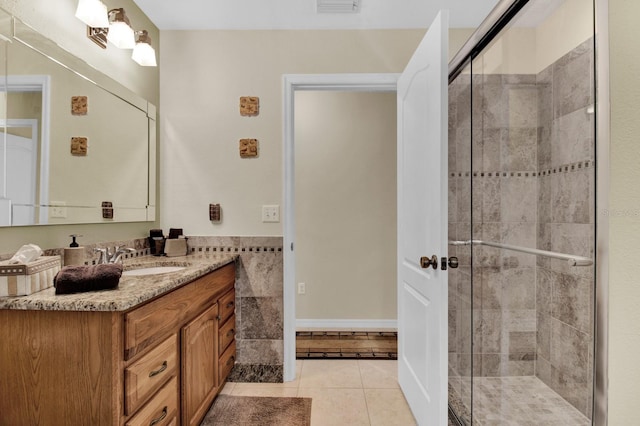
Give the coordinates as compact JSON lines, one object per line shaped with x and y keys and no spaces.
{"x":105,"y":256}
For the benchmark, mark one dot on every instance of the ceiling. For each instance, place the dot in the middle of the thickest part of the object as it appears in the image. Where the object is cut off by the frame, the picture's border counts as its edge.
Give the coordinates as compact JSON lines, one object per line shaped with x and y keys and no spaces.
{"x":301,"y":14}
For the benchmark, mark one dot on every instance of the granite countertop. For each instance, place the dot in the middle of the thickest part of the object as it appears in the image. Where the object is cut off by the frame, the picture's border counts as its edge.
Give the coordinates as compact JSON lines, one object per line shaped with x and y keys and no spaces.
{"x":131,"y":291}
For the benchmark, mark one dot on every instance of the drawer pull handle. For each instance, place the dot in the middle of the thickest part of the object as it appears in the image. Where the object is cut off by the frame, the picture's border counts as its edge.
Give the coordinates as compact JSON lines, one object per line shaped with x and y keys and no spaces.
{"x":159,"y":370}
{"x":231,"y":332}
{"x":230,"y":304}
{"x":231,"y":360}
{"x":161,"y":418}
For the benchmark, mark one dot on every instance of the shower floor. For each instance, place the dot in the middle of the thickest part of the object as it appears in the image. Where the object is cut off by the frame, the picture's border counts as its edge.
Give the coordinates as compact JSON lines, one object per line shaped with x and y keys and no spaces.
{"x":520,"y":401}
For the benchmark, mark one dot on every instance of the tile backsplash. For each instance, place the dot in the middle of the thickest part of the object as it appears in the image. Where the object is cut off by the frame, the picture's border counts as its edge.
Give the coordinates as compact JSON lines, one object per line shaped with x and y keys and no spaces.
{"x":259,"y":304}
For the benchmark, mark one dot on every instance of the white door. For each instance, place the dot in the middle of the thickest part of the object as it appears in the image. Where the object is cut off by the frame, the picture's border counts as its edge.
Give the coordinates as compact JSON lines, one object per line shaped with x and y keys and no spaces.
{"x":422,"y":226}
{"x":22,"y":155}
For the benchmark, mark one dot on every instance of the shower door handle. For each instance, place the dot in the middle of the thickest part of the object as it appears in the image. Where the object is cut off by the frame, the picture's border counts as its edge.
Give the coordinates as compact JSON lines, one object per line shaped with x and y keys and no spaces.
{"x":452,"y":262}
{"x":426,"y":262}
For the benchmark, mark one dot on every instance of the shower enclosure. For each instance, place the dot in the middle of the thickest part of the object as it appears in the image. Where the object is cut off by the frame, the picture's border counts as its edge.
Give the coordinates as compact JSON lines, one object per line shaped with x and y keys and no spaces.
{"x":522,"y":221}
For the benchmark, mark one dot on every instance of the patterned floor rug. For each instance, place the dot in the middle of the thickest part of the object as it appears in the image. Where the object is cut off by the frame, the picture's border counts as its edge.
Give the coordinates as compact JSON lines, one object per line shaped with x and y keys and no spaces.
{"x":228,"y":410}
{"x":346,"y":344}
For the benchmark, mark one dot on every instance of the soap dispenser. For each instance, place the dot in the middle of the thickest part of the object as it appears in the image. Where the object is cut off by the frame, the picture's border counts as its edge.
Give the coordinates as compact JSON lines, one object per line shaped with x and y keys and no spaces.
{"x":74,"y":254}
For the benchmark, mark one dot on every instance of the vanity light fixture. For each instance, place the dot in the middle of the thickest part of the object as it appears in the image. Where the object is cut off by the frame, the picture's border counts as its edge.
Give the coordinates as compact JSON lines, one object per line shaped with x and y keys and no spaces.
{"x":143,"y":52}
{"x":120,"y":32}
{"x":114,"y":26}
{"x":93,"y":13}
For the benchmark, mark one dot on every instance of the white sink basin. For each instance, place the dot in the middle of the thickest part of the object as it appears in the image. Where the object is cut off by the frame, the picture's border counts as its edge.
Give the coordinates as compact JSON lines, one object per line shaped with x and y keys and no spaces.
{"x":155,"y":270}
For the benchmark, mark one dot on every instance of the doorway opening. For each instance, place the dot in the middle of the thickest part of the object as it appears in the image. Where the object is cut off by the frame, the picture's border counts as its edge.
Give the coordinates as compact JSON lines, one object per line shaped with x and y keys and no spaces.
{"x":293,"y":83}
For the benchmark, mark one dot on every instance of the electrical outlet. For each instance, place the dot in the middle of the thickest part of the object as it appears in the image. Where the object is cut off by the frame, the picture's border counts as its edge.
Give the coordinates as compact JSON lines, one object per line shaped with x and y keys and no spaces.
{"x":271,"y":213}
{"x":302,"y":288}
{"x":58,"y":209}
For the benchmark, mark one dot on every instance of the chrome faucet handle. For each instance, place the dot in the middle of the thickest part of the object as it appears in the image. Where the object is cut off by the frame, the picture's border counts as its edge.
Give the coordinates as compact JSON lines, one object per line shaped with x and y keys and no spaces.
{"x":102,"y":256}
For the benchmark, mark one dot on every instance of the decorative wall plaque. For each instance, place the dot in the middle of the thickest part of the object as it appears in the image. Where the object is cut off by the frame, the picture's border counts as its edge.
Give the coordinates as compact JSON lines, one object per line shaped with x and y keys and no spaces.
{"x":79,"y":146}
{"x":214,"y":212}
{"x":79,"y":105}
{"x":107,"y":210}
{"x":248,"y":148}
{"x":249,"y":106}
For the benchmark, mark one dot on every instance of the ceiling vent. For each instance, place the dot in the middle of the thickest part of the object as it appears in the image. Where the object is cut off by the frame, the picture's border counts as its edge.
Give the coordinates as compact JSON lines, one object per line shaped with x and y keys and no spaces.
{"x":338,"y":6}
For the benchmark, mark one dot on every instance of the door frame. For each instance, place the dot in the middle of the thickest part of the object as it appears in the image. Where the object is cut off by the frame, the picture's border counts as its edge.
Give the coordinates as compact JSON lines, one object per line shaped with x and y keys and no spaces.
{"x":384,"y":82}
{"x":42,"y":84}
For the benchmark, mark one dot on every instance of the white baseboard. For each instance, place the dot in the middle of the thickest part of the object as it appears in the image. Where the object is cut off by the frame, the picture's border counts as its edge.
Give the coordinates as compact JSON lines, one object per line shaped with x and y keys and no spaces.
{"x":336,"y":324}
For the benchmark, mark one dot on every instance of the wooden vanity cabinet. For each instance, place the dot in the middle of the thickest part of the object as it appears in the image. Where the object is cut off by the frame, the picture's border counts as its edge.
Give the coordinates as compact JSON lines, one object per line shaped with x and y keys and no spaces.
{"x":199,"y":365}
{"x":161,"y":363}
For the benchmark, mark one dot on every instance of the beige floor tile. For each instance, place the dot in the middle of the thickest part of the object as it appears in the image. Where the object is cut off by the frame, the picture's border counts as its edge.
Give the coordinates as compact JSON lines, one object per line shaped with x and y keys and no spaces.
{"x":257,"y":389}
{"x":387,"y":407}
{"x":228,"y":388}
{"x":330,"y":374}
{"x":379,"y":374}
{"x":337,"y":407}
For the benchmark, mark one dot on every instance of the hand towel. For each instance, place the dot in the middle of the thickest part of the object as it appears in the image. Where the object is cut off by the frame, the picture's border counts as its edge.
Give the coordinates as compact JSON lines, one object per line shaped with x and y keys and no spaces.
{"x":77,"y":279}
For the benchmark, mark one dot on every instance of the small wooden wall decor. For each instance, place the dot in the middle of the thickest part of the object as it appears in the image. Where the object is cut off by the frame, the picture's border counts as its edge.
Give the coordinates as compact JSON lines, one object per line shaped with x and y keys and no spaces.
{"x":248,"y":148}
{"x":249,"y":106}
{"x":79,"y":105}
{"x":79,"y":146}
{"x":107,"y":210}
{"x":214,"y":212}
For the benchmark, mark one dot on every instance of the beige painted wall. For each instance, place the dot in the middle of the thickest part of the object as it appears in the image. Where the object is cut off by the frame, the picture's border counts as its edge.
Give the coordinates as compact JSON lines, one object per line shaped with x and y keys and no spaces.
{"x":566,"y":28}
{"x":530,"y":49}
{"x":203,"y":75}
{"x":345,"y":194}
{"x":624,"y":214}
{"x":59,"y":23}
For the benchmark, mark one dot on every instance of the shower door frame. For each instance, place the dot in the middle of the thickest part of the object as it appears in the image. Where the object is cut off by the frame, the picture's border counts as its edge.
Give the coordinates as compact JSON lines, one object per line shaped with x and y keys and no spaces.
{"x":495,"y":21}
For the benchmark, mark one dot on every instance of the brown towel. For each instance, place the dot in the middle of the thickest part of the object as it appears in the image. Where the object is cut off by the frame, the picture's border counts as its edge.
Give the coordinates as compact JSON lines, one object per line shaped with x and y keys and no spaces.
{"x":76,"y":279}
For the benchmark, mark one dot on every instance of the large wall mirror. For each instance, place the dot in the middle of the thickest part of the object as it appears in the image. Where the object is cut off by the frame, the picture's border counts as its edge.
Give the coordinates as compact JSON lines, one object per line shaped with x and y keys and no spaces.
{"x":75,"y":145}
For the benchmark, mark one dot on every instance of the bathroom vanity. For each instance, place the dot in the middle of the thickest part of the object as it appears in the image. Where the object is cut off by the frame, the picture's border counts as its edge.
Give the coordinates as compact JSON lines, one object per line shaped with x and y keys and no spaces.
{"x":155,"y":351}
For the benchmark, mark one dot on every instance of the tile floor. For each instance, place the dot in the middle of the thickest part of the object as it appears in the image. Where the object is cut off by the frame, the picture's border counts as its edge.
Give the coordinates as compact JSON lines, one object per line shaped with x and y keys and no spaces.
{"x":521,"y":401}
{"x":344,"y":392}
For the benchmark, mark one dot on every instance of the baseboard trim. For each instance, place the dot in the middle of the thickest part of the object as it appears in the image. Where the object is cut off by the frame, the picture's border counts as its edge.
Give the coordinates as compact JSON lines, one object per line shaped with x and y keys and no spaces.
{"x":336,"y":324}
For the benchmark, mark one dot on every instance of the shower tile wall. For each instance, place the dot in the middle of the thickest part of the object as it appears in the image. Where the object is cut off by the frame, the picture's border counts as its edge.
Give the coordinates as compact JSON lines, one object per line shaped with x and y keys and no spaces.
{"x":566,"y":224}
{"x":504,"y":210}
{"x":522,"y":171}
{"x":259,"y":304}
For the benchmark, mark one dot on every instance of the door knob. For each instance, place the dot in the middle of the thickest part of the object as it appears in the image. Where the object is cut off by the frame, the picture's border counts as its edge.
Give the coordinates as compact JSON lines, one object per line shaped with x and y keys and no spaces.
{"x":426,"y":262}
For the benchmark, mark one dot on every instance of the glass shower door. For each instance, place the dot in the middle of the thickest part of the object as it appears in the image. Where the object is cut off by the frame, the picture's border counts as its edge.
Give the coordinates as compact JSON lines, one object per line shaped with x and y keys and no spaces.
{"x":522,"y":221}
{"x":460,"y":280}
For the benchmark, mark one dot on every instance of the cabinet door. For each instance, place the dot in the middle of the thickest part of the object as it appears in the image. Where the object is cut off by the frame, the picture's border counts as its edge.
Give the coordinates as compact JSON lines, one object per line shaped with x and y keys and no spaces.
{"x":199,"y":366}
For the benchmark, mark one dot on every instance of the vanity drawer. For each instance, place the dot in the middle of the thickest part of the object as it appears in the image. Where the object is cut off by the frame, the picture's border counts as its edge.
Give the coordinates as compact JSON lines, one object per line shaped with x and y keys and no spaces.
{"x":162,"y":410}
{"x":226,"y":334}
{"x":144,"y":325}
{"x":149,"y":373}
{"x":226,"y":362}
{"x":227,"y":305}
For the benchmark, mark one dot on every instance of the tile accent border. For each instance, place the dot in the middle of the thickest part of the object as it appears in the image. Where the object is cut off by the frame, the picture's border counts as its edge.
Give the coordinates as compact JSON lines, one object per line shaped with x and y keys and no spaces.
{"x":564,"y":168}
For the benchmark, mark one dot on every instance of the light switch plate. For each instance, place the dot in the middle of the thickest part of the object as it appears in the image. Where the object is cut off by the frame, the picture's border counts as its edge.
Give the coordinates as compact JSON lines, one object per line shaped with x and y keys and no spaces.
{"x":58,"y":209}
{"x":271,"y":213}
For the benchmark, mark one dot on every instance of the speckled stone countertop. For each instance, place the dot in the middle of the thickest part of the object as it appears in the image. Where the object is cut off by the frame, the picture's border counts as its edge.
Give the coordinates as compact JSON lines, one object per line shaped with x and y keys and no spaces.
{"x":131,"y":291}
